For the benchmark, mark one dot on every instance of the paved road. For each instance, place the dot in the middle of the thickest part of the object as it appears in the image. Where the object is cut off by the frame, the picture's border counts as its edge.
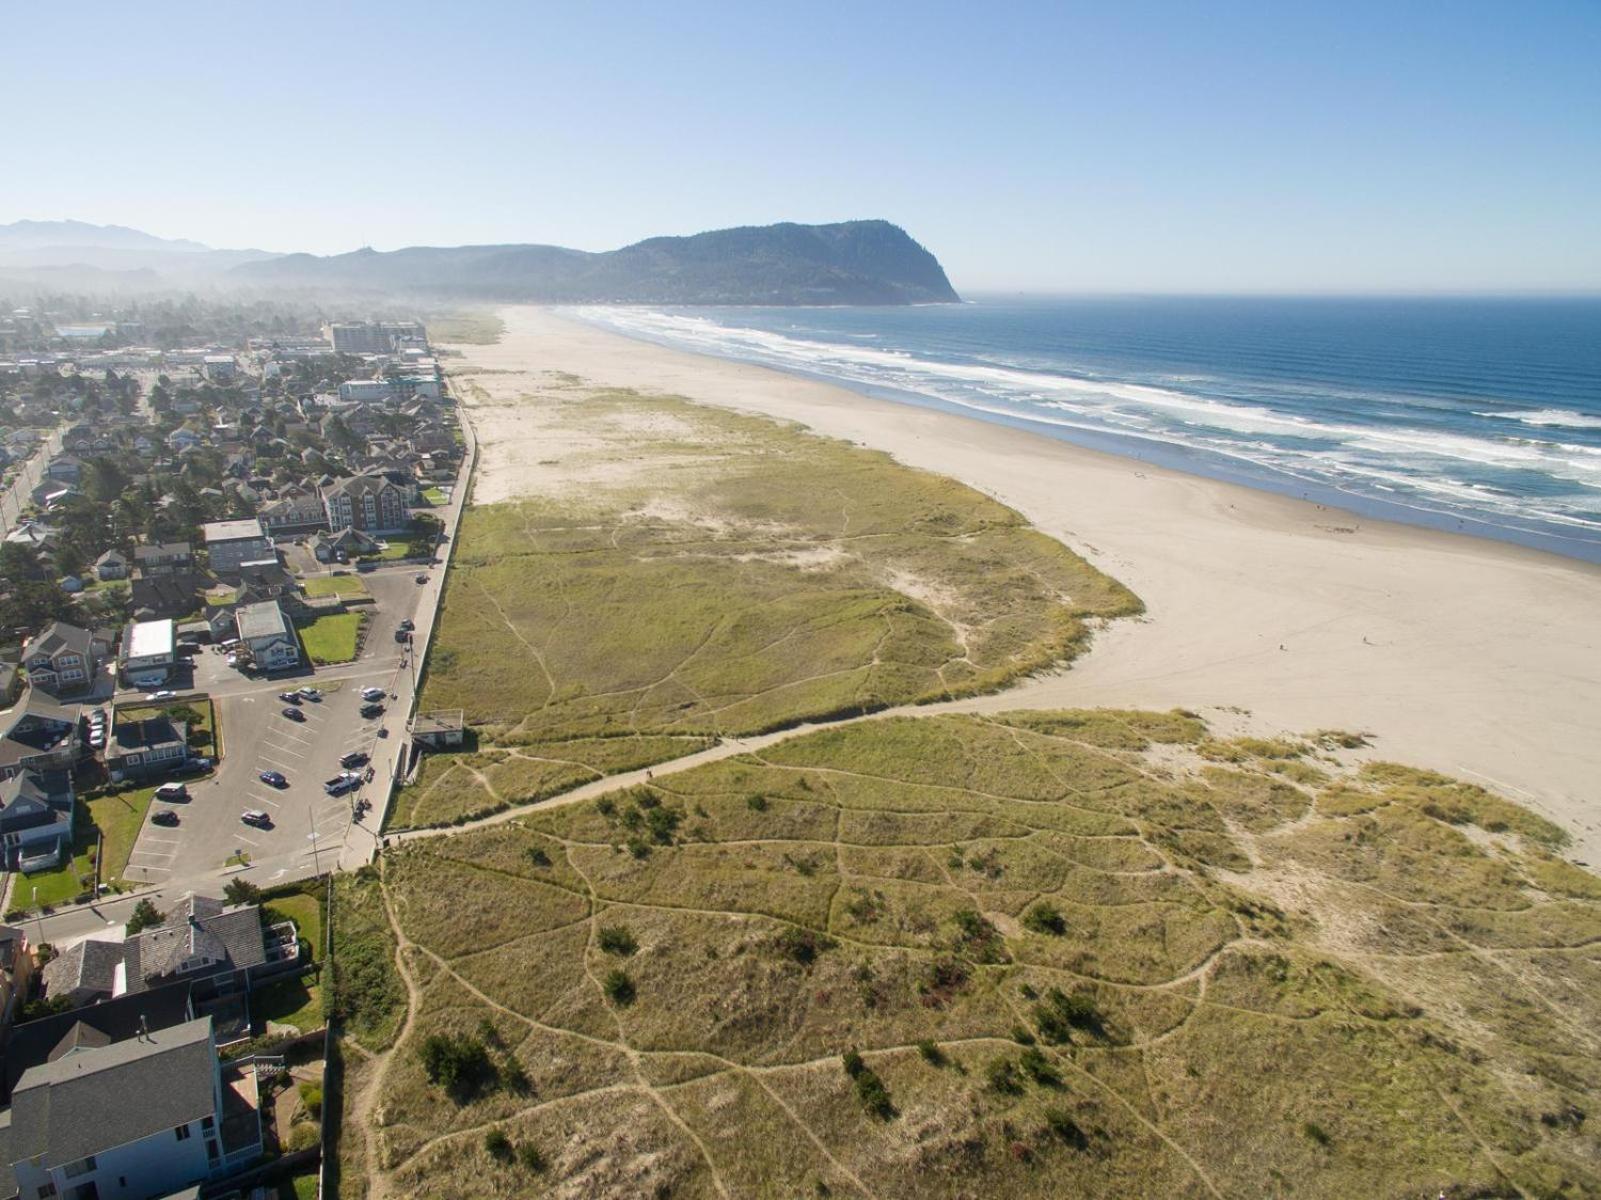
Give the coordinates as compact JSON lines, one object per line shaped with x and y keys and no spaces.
{"x":16,"y":497}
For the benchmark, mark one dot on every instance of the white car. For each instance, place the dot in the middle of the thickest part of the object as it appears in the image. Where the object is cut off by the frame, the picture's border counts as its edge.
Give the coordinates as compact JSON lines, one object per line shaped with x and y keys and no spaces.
{"x":372,"y":693}
{"x":161,"y":695}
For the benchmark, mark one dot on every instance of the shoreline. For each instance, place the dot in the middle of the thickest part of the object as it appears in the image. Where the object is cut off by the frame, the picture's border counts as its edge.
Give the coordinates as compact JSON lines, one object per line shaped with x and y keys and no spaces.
{"x":1474,"y":657}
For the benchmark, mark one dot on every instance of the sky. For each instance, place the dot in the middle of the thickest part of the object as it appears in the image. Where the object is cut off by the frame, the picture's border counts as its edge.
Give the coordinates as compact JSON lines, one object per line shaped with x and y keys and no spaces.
{"x":1228,"y":147}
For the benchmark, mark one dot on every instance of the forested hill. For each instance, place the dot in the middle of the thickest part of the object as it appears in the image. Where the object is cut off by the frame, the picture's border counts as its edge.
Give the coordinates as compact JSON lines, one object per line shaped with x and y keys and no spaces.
{"x":854,"y":262}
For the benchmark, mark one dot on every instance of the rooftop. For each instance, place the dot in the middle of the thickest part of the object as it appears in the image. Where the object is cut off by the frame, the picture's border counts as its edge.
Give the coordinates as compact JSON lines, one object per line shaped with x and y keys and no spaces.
{"x":231,"y":531}
{"x":79,"y":1104}
{"x":265,"y":619}
{"x":146,"y":639}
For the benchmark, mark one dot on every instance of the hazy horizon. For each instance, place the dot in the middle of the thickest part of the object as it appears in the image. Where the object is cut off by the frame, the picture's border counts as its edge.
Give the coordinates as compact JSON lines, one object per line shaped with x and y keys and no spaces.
{"x":1154,"y":150}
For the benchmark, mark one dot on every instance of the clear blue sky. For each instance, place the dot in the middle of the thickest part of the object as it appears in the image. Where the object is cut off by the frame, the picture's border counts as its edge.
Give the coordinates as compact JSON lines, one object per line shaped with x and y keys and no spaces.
{"x":1127,"y":146}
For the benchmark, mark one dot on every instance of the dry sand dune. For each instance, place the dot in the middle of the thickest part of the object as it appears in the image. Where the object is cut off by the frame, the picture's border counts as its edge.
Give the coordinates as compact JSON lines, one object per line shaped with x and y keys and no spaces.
{"x":1467,"y":656}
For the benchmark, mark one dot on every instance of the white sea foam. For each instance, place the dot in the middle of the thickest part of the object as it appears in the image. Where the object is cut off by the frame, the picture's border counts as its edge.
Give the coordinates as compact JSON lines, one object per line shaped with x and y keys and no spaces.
{"x":1562,"y":418}
{"x":1421,"y":463}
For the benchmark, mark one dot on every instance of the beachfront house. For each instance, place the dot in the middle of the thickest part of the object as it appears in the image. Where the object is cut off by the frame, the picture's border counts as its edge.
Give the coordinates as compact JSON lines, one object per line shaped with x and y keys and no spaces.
{"x":134,"y":1119}
{"x":267,"y":633}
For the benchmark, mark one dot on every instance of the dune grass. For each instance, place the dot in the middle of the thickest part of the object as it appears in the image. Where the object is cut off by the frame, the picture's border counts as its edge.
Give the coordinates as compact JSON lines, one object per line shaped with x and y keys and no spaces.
{"x":724,"y":575}
{"x":1039,"y":954}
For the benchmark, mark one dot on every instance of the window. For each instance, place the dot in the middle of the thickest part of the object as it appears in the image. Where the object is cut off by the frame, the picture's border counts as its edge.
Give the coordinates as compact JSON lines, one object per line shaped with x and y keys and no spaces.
{"x":46,"y":1189}
{"x":207,"y":1124}
{"x":182,"y":1133}
{"x":82,"y":1167}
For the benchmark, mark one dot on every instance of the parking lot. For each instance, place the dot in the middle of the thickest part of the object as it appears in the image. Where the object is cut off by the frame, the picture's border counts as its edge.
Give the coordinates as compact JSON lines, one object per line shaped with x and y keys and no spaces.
{"x":257,"y":737}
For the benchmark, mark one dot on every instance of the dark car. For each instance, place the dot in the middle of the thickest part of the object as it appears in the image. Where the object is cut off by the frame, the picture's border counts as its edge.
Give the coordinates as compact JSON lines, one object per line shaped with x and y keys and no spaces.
{"x":421,"y":578}
{"x":372,"y":710}
{"x":289,"y":697}
{"x":294,"y":714}
{"x":254,"y":816}
{"x":273,"y":779}
{"x":164,"y":816}
{"x":194,"y":766}
{"x":354,"y":759}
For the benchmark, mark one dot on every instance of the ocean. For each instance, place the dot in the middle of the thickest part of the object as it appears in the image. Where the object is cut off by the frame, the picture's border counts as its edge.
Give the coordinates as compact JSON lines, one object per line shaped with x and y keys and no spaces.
{"x":1472,"y":414}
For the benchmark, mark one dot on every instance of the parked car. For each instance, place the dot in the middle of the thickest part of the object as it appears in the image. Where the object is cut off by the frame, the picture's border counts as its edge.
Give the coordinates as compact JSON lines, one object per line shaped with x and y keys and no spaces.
{"x":421,"y":577}
{"x":172,"y":791}
{"x":294,"y":714}
{"x":311,"y":693}
{"x":354,"y":759}
{"x":164,"y":816}
{"x":408,"y":625}
{"x":402,"y":635}
{"x":161,"y":695}
{"x":372,"y":693}
{"x":289,"y":697}
{"x":372,"y":710}
{"x":194,"y":766}
{"x":254,"y":816}
{"x":273,"y":779}
{"x":339,"y":785}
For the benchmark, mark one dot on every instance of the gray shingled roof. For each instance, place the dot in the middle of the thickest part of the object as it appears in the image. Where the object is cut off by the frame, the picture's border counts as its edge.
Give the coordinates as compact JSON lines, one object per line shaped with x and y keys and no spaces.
{"x":88,"y":965}
{"x":198,"y":927}
{"x":94,"y":1099}
{"x":56,"y":637}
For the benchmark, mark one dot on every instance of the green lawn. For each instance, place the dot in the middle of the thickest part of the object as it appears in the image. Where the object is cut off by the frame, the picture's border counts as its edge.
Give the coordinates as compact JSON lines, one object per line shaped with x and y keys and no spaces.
{"x":305,"y":910}
{"x":119,"y":818}
{"x":435,"y":496}
{"x":335,"y":585}
{"x":296,"y":1002}
{"x":331,"y":639}
{"x":390,"y":552}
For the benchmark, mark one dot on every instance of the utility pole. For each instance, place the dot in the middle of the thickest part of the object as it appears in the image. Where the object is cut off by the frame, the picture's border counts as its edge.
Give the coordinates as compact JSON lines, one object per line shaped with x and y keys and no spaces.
{"x":316,"y":862}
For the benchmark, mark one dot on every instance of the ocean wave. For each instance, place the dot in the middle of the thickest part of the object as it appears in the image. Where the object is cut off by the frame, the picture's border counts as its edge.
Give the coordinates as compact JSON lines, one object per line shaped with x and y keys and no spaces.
{"x":1498,"y":479}
{"x":1562,"y":418}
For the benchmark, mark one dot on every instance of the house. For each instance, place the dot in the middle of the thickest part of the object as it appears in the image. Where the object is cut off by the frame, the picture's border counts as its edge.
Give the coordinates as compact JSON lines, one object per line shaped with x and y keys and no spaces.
{"x":268,"y":635}
{"x":165,"y":558}
{"x":366,"y":390}
{"x":181,"y":439}
{"x":62,"y":659}
{"x":71,"y":584}
{"x":369,"y":503}
{"x":156,"y":596}
{"x":219,"y":367}
{"x":147,"y":747}
{"x":65,"y":468}
{"x":133,"y":1119}
{"x":34,"y":535}
{"x":40,"y":736}
{"x":293,"y":514}
{"x":230,"y":543}
{"x":113,"y":564}
{"x":16,"y":973}
{"x":36,"y":809}
{"x":343,"y":546}
{"x":149,"y":652}
{"x":201,"y":938}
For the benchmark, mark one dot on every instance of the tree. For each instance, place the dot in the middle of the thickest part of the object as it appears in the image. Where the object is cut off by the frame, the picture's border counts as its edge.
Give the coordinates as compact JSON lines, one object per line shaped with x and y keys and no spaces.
{"x":241,"y":891}
{"x":145,"y":916}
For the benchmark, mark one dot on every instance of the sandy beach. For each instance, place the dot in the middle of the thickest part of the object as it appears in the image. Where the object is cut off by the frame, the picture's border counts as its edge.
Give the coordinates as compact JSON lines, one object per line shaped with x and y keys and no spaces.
{"x":1471,"y":657}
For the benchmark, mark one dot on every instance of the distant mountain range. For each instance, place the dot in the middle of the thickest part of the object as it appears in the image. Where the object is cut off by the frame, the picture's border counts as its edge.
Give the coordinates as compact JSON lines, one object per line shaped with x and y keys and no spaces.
{"x":853,"y":262}
{"x":78,"y":254}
